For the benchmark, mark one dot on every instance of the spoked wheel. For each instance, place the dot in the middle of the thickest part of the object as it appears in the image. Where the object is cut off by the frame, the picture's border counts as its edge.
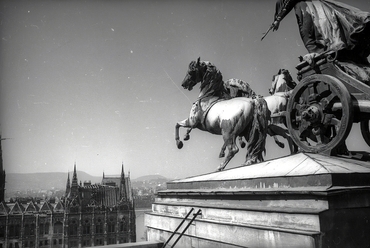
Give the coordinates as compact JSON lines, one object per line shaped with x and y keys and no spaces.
{"x":320,"y":114}
{"x":365,"y":131}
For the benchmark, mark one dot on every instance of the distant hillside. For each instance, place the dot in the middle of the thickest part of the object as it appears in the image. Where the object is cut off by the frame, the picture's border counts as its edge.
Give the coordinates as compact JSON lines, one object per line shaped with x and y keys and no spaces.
{"x":151,"y":178}
{"x":149,"y":181}
{"x":48,"y":180}
{"x":57,"y":180}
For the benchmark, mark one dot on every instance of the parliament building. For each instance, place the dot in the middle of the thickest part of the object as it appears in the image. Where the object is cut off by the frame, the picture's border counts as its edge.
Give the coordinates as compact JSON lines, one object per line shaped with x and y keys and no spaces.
{"x":88,"y":215}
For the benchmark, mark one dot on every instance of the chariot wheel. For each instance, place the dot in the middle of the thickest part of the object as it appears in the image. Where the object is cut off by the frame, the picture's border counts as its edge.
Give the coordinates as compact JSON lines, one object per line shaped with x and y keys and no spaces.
{"x":365,"y":131}
{"x":320,"y":114}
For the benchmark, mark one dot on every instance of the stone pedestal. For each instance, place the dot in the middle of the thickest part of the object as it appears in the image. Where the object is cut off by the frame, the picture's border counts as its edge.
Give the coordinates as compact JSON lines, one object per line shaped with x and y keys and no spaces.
{"x":303,"y":200}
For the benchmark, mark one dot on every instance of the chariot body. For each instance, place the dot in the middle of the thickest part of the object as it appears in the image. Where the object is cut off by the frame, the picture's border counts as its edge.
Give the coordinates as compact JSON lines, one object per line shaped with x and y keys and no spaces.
{"x":325,"y":104}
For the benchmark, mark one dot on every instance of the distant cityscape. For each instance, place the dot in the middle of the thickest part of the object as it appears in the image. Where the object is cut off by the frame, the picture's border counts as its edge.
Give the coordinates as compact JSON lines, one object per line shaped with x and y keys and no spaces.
{"x":36,"y":211}
{"x":144,"y":189}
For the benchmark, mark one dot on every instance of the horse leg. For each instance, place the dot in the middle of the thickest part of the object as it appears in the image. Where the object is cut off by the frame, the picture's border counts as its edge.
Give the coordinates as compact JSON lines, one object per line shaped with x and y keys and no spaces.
{"x":233,"y":149}
{"x":250,"y":161}
{"x":222,"y":152}
{"x":277,"y":130}
{"x":184,"y":123}
{"x":241,"y":142}
{"x":278,"y":142}
{"x":273,"y":134}
{"x":187,"y":135}
{"x":252,"y":157}
{"x":292,"y":146}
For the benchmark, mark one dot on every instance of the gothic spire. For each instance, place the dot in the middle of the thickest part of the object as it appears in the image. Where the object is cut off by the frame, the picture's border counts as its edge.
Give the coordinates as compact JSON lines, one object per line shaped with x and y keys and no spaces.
{"x":74,"y":186}
{"x":68,"y":186}
{"x":122,"y":172}
{"x":74,"y":172}
{"x":2,"y":174}
{"x":123,"y":192}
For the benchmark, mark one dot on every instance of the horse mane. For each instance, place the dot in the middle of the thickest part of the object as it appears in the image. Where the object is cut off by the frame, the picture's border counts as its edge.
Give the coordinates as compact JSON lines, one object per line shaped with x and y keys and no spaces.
{"x":289,"y":82}
{"x":274,"y":76}
{"x":239,"y":88}
{"x":212,"y":83}
{"x":212,"y":79}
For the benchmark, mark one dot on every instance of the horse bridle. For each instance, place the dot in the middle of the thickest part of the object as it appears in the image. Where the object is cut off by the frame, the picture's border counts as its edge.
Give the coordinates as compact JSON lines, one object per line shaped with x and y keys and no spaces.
{"x":194,"y":69}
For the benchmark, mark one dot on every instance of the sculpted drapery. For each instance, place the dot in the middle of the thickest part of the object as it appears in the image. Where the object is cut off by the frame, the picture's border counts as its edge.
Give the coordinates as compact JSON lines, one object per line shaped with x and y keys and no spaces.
{"x":331,"y":25}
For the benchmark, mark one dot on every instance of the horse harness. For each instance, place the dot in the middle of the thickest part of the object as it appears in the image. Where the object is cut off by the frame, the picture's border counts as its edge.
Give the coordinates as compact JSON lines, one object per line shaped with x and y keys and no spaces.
{"x":204,"y":116}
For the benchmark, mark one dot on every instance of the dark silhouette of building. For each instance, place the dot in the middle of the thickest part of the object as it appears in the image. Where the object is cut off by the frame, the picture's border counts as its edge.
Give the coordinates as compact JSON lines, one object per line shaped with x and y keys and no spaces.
{"x":88,"y":215}
{"x":2,"y":175}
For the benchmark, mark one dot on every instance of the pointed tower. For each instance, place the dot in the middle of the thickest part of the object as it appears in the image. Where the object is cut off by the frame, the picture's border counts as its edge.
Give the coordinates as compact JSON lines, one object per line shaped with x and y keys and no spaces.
{"x":2,"y":174}
{"x":74,"y":186}
{"x":123,"y":191}
{"x":68,"y":187}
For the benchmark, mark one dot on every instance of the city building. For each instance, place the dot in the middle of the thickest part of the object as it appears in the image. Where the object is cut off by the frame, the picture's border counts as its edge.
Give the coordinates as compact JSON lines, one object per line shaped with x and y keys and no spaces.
{"x":2,"y":175}
{"x":88,"y":215}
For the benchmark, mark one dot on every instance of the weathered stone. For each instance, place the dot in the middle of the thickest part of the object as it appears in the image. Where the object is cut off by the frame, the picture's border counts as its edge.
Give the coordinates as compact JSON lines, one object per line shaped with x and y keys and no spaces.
{"x":303,"y":200}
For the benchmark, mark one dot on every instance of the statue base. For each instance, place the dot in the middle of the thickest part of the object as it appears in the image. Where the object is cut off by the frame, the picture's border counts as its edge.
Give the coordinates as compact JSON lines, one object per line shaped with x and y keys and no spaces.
{"x":302,"y":200}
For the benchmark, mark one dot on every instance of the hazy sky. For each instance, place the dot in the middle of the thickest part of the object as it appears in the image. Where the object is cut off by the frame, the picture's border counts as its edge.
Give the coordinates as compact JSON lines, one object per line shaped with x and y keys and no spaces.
{"x":99,"y":82}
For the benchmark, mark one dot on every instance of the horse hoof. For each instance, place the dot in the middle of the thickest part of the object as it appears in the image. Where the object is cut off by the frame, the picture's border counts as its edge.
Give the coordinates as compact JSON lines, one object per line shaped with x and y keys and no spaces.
{"x":180,"y":144}
{"x":187,"y":137}
{"x":248,"y":162}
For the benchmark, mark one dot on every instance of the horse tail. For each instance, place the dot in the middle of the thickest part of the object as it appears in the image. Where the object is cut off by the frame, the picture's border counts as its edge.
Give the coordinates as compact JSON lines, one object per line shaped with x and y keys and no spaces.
{"x":258,"y":132}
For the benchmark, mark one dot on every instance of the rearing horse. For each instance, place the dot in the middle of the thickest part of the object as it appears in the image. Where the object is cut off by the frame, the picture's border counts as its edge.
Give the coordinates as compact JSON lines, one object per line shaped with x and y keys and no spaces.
{"x":234,"y":88}
{"x":281,"y":89}
{"x":230,"y":118}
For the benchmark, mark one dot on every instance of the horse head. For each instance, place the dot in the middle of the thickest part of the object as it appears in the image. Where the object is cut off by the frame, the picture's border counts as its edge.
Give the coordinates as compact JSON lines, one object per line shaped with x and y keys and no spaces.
{"x":282,"y":82}
{"x":205,"y":73}
{"x":192,"y":76}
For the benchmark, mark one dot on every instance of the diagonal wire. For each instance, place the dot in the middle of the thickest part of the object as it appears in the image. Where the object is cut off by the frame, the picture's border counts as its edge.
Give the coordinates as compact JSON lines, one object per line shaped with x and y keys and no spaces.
{"x":176,"y":85}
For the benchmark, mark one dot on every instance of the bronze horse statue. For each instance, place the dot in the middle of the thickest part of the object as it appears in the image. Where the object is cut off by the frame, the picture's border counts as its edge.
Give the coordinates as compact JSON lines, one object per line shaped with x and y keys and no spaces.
{"x":234,"y":88}
{"x":217,"y":112}
{"x":281,"y":89}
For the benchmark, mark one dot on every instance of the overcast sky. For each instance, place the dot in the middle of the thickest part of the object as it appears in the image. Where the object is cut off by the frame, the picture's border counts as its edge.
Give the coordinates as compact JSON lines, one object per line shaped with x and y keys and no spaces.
{"x":98,"y":83}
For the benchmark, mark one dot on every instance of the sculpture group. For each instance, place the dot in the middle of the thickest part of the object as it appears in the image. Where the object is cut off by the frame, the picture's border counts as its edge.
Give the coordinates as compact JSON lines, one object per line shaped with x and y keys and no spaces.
{"x":317,"y":114}
{"x":233,"y":110}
